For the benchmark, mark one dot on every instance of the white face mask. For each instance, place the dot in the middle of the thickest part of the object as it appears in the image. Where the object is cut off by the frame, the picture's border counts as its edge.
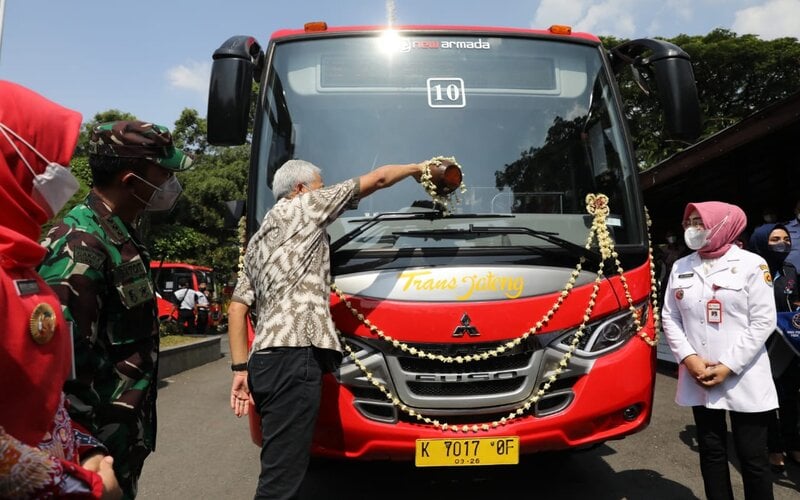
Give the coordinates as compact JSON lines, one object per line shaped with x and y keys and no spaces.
{"x":53,"y":188}
{"x":164,"y":197}
{"x":695,"y":237}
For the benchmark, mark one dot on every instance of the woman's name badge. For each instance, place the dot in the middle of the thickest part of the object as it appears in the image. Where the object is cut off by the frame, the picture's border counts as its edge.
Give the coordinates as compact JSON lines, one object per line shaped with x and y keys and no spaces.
{"x":714,"y":311}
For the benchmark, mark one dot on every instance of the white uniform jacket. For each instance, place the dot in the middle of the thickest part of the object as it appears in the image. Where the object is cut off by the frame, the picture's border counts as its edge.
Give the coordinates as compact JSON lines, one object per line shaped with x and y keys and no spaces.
{"x":741,"y":282}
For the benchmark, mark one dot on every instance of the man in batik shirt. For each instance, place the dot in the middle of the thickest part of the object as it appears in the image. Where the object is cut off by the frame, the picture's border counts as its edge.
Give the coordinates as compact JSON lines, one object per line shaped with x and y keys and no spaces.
{"x":100,"y":270}
{"x":288,"y":264}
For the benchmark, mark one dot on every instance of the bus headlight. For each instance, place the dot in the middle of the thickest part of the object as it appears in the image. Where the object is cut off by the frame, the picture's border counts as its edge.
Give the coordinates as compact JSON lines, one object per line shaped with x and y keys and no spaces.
{"x":608,"y":333}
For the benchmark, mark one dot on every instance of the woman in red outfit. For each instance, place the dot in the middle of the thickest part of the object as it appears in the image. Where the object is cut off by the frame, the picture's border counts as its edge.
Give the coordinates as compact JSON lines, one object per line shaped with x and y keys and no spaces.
{"x":42,"y":453}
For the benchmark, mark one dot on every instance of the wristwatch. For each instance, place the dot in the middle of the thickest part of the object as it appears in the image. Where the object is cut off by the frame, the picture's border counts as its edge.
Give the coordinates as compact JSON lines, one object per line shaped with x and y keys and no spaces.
{"x":239,"y":367}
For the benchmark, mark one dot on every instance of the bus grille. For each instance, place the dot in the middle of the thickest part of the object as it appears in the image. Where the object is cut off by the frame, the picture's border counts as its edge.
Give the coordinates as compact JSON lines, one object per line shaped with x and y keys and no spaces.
{"x":471,"y":391}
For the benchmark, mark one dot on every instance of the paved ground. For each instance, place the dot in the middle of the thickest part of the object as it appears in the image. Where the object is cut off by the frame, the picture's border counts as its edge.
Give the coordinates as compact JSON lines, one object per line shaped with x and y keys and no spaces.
{"x":204,"y":452}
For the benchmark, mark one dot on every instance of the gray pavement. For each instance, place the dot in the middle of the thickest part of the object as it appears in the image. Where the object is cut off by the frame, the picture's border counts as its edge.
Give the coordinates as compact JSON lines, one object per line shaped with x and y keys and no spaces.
{"x":204,"y":452}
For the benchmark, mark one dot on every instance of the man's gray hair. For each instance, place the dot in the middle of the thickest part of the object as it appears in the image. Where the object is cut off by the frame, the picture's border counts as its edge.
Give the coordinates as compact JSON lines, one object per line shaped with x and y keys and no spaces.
{"x":292,"y":173}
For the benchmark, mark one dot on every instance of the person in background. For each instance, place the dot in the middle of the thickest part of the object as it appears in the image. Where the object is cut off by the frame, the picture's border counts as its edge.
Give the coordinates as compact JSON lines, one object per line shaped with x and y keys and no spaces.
{"x":43,"y":454}
{"x":203,"y":304}
{"x":185,"y":299}
{"x":665,"y":256}
{"x":287,"y":270}
{"x":741,"y":241}
{"x":718,"y":312}
{"x":793,"y":226}
{"x":772,"y":242}
{"x":769,"y":215}
{"x":100,"y":269}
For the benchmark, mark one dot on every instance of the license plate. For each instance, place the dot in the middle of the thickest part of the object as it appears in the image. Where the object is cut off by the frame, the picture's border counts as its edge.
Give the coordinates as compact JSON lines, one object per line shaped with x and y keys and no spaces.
{"x":468,"y":451}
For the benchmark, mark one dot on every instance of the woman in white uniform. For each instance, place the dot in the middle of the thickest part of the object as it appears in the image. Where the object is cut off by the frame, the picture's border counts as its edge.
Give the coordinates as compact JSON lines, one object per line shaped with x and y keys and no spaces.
{"x":719,"y":310}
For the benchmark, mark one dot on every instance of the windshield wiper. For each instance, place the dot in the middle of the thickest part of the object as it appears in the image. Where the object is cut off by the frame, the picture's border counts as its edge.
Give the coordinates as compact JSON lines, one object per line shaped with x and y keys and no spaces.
{"x":548,"y":236}
{"x":383,"y":216}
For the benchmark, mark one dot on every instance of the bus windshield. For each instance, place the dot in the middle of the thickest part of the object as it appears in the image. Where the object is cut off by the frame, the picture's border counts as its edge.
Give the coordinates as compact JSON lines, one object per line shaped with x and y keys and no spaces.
{"x":534,"y":123}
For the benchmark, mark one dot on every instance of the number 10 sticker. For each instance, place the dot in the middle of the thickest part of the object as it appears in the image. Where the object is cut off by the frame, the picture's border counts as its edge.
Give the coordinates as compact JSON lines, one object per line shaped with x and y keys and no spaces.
{"x":446,"y":93}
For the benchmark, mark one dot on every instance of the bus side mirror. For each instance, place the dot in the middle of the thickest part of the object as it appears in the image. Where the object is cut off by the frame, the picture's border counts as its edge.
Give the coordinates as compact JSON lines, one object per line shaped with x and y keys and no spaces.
{"x":234,"y":213}
{"x":235,"y":63}
{"x":672,"y":71}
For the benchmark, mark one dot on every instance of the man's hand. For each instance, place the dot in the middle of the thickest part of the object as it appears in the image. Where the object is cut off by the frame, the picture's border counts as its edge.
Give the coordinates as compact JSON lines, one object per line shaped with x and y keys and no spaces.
{"x":103,"y":466}
{"x":111,"y":489}
{"x":92,"y":462}
{"x":240,"y":394}
{"x":421,"y":167}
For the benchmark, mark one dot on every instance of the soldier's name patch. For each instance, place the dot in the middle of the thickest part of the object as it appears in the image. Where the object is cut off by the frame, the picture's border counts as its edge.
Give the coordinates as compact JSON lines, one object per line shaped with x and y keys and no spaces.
{"x":26,"y":287}
{"x":685,"y":275}
{"x":135,"y":293}
{"x":129,"y":271}
{"x":89,"y":256}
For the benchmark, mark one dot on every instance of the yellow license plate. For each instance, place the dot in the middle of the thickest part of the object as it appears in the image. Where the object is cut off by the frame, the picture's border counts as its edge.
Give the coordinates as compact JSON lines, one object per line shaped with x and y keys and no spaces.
{"x":467,"y":451}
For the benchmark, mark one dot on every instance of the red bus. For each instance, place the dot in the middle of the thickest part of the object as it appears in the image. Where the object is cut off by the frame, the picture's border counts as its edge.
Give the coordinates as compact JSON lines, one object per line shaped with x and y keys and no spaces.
{"x":522,"y":319}
{"x":167,"y":275}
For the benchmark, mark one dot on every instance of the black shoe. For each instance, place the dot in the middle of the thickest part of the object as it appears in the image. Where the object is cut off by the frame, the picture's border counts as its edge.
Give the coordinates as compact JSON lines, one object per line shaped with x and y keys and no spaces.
{"x":777,"y":468}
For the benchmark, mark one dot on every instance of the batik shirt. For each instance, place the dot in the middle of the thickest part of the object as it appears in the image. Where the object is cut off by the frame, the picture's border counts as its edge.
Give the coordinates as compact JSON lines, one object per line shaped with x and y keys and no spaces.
{"x":51,"y":469}
{"x":101,"y":273}
{"x":287,"y":264}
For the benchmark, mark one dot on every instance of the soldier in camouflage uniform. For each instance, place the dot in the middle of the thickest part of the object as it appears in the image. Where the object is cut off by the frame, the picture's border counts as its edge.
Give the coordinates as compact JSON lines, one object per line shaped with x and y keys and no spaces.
{"x":100,"y":270}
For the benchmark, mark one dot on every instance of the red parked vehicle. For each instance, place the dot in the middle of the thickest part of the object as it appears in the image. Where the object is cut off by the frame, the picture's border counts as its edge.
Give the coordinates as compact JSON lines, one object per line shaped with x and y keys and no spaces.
{"x":167,"y":275}
{"x":521,"y":320}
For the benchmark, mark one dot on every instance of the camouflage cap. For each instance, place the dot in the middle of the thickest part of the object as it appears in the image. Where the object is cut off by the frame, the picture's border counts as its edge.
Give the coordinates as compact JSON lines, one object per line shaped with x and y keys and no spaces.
{"x":137,"y":139}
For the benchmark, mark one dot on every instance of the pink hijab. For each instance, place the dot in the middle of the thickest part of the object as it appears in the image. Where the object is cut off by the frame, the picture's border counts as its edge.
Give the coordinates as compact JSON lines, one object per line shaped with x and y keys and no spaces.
{"x":724,"y":221}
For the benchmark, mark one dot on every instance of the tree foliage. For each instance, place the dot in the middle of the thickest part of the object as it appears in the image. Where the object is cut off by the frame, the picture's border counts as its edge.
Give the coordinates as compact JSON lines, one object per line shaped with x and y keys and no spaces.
{"x":736,"y":76}
{"x":199,"y":230}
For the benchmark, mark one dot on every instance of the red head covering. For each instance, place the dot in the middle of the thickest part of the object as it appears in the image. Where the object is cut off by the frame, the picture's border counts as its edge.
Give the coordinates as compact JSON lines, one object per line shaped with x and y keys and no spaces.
{"x":49,"y":127}
{"x":724,"y":223}
{"x":35,"y":344}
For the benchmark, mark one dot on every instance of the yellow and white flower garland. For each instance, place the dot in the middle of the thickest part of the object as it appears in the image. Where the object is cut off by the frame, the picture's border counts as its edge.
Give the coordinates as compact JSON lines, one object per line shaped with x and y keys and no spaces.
{"x":242,"y":234}
{"x":430,"y":187}
{"x":597,"y":206}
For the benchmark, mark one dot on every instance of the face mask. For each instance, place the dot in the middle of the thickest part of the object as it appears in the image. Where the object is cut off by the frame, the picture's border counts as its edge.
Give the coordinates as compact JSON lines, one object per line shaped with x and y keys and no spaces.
{"x":695,"y":238}
{"x":670,"y":240}
{"x":164,"y":197}
{"x":781,"y":247}
{"x":53,"y":188}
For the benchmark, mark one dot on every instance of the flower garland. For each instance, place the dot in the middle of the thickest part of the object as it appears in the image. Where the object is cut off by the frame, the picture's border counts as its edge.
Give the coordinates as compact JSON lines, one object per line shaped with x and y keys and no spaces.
{"x":426,"y":179}
{"x":597,"y":206}
{"x":241,"y":232}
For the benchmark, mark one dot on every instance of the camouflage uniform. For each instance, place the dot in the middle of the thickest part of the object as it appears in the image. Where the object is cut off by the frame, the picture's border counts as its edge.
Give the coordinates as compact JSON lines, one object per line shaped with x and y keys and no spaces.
{"x":101,"y":273}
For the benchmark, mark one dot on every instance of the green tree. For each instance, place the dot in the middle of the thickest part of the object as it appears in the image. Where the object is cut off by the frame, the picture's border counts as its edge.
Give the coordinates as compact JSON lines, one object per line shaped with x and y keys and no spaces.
{"x":196,"y":230}
{"x":190,"y":133}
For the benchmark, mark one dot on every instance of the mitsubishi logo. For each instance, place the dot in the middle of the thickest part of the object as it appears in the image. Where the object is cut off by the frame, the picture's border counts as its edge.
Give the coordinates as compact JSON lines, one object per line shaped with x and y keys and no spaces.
{"x":465,"y":327}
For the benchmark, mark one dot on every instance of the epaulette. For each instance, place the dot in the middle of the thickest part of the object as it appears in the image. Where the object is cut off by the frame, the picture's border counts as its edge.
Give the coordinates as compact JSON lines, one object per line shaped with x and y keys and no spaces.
{"x":115,"y":229}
